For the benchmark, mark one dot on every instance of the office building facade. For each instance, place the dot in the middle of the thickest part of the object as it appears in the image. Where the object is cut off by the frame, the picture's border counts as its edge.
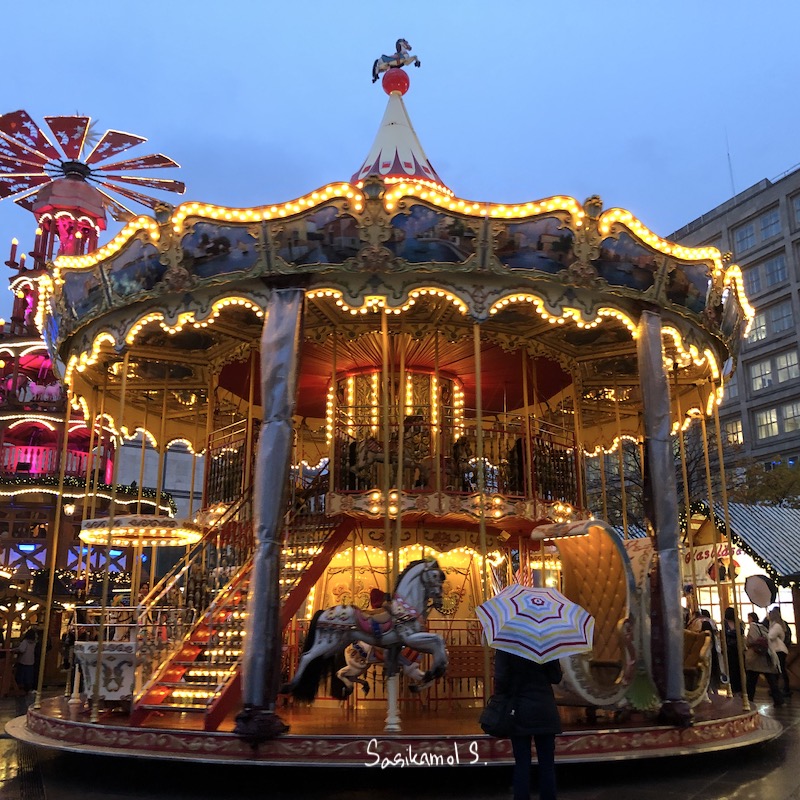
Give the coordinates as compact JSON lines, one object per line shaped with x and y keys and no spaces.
{"x":760,"y":228}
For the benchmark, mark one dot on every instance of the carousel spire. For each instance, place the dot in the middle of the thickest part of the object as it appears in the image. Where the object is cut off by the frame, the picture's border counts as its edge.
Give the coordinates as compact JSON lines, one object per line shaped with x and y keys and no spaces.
{"x":396,"y":154}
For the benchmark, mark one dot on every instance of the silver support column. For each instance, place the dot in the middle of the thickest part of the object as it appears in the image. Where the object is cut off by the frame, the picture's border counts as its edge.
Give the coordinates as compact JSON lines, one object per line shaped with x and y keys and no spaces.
{"x":281,"y":340}
{"x":661,"y":466}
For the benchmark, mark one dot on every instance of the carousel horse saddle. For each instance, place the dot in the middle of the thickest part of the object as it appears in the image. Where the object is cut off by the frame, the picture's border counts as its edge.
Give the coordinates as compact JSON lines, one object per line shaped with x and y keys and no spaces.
{"x":374,"y":624}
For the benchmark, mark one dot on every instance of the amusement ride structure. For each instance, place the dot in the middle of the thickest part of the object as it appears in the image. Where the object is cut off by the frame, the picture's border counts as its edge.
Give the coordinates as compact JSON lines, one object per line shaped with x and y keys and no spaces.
{"x":37,"y":434}
{"x":390,"y":384}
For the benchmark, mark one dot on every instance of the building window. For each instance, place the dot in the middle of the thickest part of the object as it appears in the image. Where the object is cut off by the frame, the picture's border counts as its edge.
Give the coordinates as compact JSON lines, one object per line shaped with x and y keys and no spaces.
{"x":775,"y":270}
{"x":796,"y":204}
{"x":770,"y":224}
{"x":766,"y":226}
{"x":781,"y":317}
{"x":761,"y":375}
{"x":733,"y":432}
{"x":787,"y":368}
{"x":758,"y":328}
{"x":766,"y":423}
{"x":732,"y":388}
{"x":744,"y":238}
{"x":791,"y":417}
{"x":752,"y":281}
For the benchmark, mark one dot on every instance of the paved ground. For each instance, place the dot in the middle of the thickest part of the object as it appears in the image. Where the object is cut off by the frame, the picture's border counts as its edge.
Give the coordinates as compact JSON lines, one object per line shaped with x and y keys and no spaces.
{"x":770,"y":771}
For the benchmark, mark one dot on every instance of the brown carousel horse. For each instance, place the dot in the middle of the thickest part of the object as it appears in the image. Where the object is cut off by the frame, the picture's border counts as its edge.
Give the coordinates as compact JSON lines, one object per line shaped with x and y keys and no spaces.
{"x":419,"y":586}
{"x":416,"y":451}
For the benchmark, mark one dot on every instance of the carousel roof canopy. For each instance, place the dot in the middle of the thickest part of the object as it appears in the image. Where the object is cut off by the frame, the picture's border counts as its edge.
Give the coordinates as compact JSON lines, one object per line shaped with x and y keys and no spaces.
{"x":396,"y":154}
{"x":562,"y":283}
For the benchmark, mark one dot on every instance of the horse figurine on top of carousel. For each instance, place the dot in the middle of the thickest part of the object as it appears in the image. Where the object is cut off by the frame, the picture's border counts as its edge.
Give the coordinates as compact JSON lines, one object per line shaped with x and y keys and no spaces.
{"x":402,"y":57}
{"x":419,"y":586}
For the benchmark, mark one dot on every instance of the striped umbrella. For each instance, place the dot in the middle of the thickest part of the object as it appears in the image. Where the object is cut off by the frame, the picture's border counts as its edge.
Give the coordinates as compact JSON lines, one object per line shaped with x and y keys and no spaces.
{"x":538,"y":624}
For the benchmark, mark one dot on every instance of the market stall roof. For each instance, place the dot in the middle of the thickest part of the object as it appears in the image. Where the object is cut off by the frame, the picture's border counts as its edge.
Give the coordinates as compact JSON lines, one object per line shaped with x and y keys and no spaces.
{"x":770,"y":534}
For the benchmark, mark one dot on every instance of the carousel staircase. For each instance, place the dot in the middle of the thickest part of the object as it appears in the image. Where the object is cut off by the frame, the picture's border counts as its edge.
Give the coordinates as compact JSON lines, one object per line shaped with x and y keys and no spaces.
{"x":203,"y":675}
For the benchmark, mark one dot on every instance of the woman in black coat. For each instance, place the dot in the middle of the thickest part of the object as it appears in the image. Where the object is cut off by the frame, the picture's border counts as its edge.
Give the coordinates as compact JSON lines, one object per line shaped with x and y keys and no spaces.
{"x":536,"y":718}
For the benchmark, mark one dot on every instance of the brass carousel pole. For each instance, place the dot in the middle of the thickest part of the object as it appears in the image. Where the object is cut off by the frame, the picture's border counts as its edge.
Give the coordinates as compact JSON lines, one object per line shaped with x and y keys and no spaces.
{"x":578,"y":448}
{"x":194,"y":456}
{"x":438,"y":438}
{"x":661,"y":469}
{"x":53,"y":553}
{"x":210,"y":402}
{"x":687,"y":500}
{"x":603,"y":493}
{"x":401,"y":428}
{"x":334,"y":412}
{"x":387,"y":473}
{"x":392,"y":722}
{"x":476,"y":334}
{"x":527,"y":476}
{"x":716,"y":560}
{"x":136,"y":572}
{"x":162,"y":454}
{"x":251,"y":396}
{"x":87,"y":480}
{"x":731,"y":575}
{"x":623,"y":498}
{"x":111,"y":513}
{"x":96,"y":477}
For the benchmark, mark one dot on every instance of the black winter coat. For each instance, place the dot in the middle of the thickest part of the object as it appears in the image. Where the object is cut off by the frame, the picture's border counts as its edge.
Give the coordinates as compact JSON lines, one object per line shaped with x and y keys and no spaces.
{"x":531,"y":685}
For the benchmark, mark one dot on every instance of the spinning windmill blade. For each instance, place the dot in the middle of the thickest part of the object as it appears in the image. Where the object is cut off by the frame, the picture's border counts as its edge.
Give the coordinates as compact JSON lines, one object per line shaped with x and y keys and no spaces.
{"x":29,"y":160}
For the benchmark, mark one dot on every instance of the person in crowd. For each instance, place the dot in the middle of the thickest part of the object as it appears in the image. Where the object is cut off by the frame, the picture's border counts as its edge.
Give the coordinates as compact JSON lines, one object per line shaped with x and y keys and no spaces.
{"x":777,"y":642}
{"x":760,"y":660}
{"x":25,"y":668}
{"x":694,"y":621}
{"x":531,"y":684}
{"x":732,"y":649}
{"x":707,"y":624}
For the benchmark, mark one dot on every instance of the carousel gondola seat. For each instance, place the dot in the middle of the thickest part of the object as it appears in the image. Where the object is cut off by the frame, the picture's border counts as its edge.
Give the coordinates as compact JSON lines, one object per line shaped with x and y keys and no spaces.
{"x":696,"y":664}
{"x":597,"y":575}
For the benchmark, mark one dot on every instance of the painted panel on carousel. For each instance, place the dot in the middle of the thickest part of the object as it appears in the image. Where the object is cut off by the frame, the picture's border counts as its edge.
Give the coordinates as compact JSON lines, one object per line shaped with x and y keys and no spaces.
{"x":84,"y":292}
{"x":426,"y":235}
{"x":623,"y":262}
{"x":688,"y":285}
{"x":136,"y":270}
{"x":212,"y":249}
{"x":733,"y":320}
{"x":543,"y":244}
{"x":325,"y":237}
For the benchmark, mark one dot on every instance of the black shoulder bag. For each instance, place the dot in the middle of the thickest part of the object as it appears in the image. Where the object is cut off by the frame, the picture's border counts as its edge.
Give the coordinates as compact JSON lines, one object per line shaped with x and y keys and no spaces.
{"x":499,"y":715}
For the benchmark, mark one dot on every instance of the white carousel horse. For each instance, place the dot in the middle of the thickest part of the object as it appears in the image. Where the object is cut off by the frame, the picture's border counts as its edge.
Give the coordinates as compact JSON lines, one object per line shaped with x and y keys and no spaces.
{"x":359,"y":656}
{"x":418,"y":586}
{"x":401,"y":58}
{"x":47,"y":392}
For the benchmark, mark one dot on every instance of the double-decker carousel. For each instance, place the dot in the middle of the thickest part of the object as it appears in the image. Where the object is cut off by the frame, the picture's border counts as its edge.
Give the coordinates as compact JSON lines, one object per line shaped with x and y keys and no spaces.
{"x":390,"y":382}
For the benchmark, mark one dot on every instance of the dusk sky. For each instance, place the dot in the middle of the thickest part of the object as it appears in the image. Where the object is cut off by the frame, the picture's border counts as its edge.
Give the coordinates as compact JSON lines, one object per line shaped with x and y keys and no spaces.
{"x":260,"y":102}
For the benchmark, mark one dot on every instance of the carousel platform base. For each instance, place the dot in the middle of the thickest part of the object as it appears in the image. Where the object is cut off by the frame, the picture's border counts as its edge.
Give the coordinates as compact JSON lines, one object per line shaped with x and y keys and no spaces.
{"x":339,"y":737}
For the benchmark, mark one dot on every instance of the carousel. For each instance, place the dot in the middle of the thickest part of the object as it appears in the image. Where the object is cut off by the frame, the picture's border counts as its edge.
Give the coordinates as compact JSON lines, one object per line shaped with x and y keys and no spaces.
{"x":400,"y":397}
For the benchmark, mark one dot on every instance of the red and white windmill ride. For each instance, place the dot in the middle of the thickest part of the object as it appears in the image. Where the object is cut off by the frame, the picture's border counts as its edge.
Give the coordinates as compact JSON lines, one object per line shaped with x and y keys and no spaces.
{"x":64,"y":187}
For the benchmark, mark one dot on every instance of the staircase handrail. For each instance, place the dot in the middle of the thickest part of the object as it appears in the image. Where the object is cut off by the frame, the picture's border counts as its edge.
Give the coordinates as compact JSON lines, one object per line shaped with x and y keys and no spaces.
{"x":167,"y":583}
{"x":166,"y":653}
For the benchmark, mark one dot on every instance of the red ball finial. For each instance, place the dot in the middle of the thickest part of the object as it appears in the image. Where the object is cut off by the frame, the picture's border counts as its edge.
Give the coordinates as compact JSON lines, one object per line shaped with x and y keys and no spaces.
{"x":395,"y":80}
